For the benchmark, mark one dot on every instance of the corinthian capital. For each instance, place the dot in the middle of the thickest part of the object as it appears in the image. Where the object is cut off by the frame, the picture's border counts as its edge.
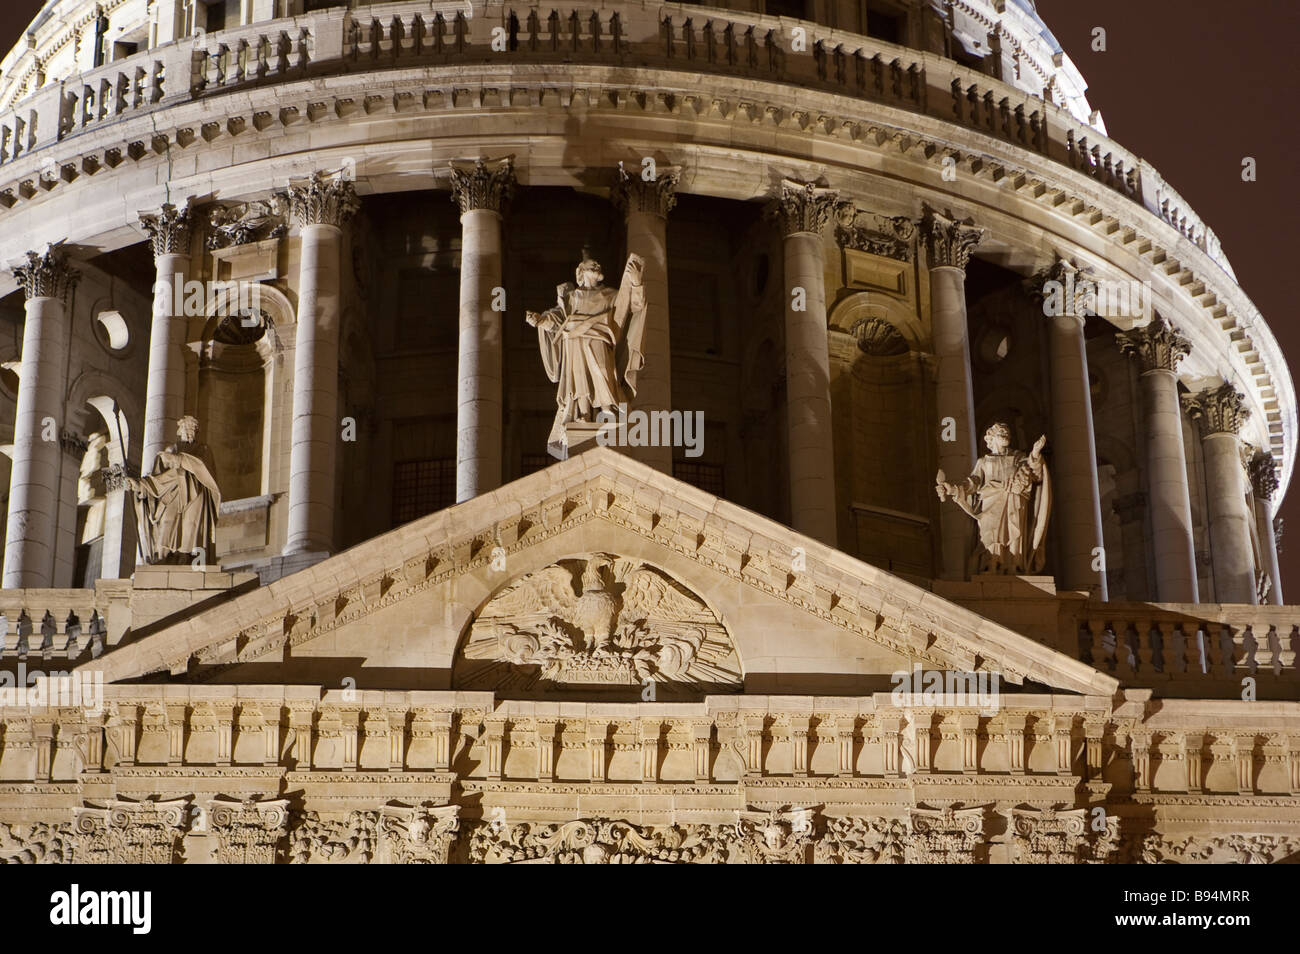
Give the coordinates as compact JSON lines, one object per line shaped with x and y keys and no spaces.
{"x":634,"y":193}
{"x":1220,"y":410}
{"x":323,"y":200}
{"x":1263,"y":475}
{"x":948,"y":240}
{"x":47,"y":274}
{"x":803,"y":206}
{"x":1157,"y":345}
{"x":169,"y":230}
{"x":483,"y":187}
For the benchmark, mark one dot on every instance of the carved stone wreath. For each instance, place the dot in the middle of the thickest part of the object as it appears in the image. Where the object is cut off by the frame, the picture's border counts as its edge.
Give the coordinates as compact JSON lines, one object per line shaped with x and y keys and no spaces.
{"x":602,"y":623}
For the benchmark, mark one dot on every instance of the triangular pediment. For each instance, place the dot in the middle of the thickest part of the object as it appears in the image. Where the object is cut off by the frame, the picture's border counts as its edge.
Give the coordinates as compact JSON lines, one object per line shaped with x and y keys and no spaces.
{"x":707,"y":593}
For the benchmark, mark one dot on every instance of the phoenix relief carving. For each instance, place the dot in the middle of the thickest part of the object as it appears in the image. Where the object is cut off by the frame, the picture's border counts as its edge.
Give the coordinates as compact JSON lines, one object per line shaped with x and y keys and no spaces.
{"x":598,"y":621}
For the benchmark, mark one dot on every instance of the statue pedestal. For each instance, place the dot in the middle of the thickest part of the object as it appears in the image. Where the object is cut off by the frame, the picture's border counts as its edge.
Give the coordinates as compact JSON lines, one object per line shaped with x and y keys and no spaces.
{"x":575,"y":436}
{"x":1027,"y":604}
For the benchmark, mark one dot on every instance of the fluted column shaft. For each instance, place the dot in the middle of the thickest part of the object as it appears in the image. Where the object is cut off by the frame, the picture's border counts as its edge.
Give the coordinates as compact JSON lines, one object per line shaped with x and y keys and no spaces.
{"x":321,"y":206}
{"x":482,"y":194}
{"x":169,"y":234}
{"x":1220,"y":413}
{"x":1263,"y":478}
{"x":949,"y":244}
{"x":647,"y":203}
{"x":1159,"y":349}
{"x":47,"y":282}
{"x":1074,"y":452}
{"x":803,"y":211}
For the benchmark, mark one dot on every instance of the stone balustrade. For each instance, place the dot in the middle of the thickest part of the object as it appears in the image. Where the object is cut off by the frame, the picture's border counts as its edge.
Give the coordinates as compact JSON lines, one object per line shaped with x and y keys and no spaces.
{"x":1206,"y":649}
{"x":662,"y":36}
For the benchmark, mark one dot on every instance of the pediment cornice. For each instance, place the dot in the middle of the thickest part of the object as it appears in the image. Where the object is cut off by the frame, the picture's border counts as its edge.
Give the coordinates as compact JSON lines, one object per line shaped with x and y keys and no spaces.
{"x":600,"y":485}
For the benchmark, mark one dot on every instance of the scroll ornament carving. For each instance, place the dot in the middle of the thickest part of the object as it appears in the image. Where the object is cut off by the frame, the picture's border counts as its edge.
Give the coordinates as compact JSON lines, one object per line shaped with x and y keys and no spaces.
{"x":482,"y":187}
{"x":1054,"y":836}
{"x":41,"y":843}
{"x":879,"y":338}
{"x":125,"y":832}
{"x":948,"y":241}
{"x":803,"y":207}
{"x":598,"y":620}
{"x":598,"y":842}
{"x":1220,"y":410}
{"x":323,"y":200}
{"x":944,"y":836}
{"x":418,"y":835}
{"x":658,"y":196}
{"x":1157,"y":345}
{"x":248,"y":832}
{"x":888,"y":236}
{"x":247,"y":222}
{"x":47,"y":274}
{"x":350,"y":840}
{"x":168,"y":230}
{"x":863,"y":841}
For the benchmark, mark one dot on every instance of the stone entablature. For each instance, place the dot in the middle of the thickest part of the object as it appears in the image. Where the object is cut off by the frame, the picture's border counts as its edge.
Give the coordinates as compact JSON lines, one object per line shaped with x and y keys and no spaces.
{"x":746,"y":779}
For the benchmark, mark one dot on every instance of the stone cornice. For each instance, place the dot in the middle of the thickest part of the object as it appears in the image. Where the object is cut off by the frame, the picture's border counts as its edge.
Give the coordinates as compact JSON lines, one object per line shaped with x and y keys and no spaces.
{"x":168,"y":230}
{"x":1157,"y":345}
{"x":480,"y":188}
{"x":632,"y":192}
{"x":1220,"y":410}
{"x":948,"y":241}
{"x":803,"y":207}
{"x":323,"y":200}
{"x":47,"y":274}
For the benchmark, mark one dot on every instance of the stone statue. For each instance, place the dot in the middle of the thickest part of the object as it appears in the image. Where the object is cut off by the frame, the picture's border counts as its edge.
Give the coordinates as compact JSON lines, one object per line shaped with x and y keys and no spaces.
{"x":591,"y":343}
{"x":1009,"y":494}
{"x":176,"y":505}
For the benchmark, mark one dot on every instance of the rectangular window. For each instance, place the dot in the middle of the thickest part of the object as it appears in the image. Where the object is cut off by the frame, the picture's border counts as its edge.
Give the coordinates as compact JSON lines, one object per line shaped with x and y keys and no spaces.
{"x":707,"y":477}
{"x":422,"y":487}
{"x":884,"y":24}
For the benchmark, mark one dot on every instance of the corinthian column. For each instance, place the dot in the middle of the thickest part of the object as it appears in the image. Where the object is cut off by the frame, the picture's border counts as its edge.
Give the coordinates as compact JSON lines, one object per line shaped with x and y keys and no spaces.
{"x":1220,"y":412}
{"x":169,"y":235}
{"x":647,"y":203}
{"x":47,"y":281}
{"x":482,"y":193}
{"x":1074,"y":445}
{"x":1263,"y":479}
{"x":321,"y":206}
{"x":803,"y":210}
{"x":948,"y":246}
{"x":1158,"y":349}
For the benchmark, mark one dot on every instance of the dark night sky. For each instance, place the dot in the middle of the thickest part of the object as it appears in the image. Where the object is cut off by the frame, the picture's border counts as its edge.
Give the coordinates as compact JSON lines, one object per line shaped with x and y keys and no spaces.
{"x":1192,"y":87}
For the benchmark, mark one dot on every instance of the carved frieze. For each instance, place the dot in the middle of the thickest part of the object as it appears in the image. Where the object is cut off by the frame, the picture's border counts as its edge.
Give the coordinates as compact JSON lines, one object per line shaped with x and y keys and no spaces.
{"x":598,"y":620}
{"x":890,"y":236}
{"x":350,"y":840}
{"x":247,"y":222}
{"x":863,"y":841}
{"x":40,"y":843}
{"x":778,"y":837}
{"x":598,"y":842}
{"x":418,"y":835}
{"x":1230,"y":849}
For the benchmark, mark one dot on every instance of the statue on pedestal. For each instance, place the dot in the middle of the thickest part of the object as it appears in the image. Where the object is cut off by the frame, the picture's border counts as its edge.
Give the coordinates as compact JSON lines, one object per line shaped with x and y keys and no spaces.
{"x":176,"y":505}
{"x":591,"y":344}
{"x":1009,"y":494}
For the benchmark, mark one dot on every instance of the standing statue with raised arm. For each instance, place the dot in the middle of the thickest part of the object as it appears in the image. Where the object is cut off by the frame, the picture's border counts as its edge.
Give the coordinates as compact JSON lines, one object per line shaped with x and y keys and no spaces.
{"x":591,"y":343}
{"x":1010,"y":496}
